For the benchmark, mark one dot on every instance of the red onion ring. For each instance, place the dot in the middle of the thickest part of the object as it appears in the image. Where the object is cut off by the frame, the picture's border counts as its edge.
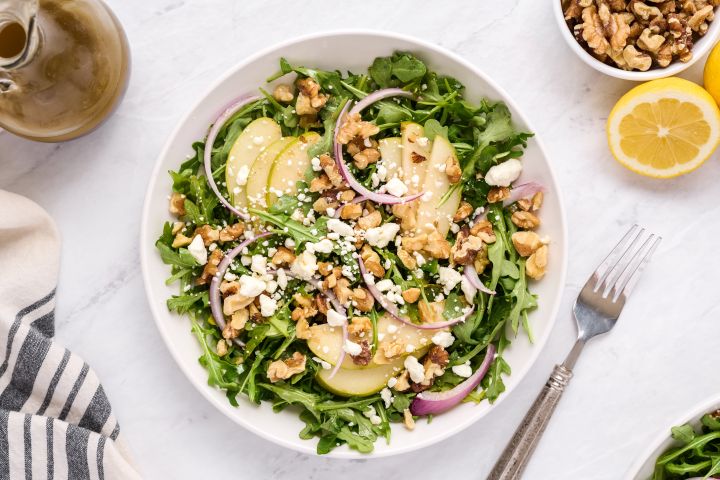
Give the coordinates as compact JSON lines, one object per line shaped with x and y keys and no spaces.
{"x":379,"y":95}
{"x":394,"y":312}
{"x":523,"y":190}
{"x":214,"y":293}
{"x":383,"y":198}
{"x":426,"y":403}
{"x":210,"y":141}
{"x":472,"y":277}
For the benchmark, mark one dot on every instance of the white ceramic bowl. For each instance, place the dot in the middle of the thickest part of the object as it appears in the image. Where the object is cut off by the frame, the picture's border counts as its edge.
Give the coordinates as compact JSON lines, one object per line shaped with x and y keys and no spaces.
{"x":354,"y":51}
{"x":702,"y":46}
{"x":643,"y":468}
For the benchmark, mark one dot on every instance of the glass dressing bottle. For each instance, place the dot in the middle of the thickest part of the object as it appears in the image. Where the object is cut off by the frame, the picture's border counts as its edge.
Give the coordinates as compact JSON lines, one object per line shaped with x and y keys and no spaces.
{"x":64,"y":67}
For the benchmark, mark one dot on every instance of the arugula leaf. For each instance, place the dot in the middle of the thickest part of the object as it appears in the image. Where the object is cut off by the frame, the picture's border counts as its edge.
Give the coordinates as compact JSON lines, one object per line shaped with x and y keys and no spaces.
{"x":683,"y":433}
{"x":381,"y":71}
{"x":434,"y":128}
{"x":407,"y":68}
{"x":179,"y":258}
{"x":294,"y":396}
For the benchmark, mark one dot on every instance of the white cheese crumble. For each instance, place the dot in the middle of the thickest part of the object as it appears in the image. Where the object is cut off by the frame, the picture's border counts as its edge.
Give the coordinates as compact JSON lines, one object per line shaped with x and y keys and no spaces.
{"x":352,"y":348}
{"x":387,"y":396}
{"x":242,"y":175}
{"x":258,"y":264}
{"x":415,"y":369}
{"x":305,"y":265}
{"x":282,"y":280}
{"x":340,"y":227}
{"x":197,"y":250}
{"x":396,"y":187}
{"x":385,"y":285}
{"x":335,"y":319}
{"x":392,"y":382}
{"x":463,"y":370}
{"x":250,"y":286}
{"x":325,"y":365}
{"x":268,"y":306}
{"x":443,"y":339}
{"x":323,"y":246}
{"x":504,"y":174}
{"x":449,"y":278}
{"x":315,"y":162}
{"x":382,"y":235}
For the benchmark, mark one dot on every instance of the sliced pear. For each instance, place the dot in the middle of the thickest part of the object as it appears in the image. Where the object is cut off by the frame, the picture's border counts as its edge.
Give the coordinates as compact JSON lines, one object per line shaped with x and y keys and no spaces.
{"x":391,"y":155}
{"x":361,"y":382}
{"x":415,"y":145}
{"x":326,"y":343}
{"x":436,"y":185}
{"x":256,"y":187}
{"x":257,"y":136}
{"x":290,"y":167}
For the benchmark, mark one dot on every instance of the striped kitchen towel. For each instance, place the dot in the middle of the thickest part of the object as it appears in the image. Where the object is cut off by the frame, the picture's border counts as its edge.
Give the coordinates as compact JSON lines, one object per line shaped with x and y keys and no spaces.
{"x":55,"y":420}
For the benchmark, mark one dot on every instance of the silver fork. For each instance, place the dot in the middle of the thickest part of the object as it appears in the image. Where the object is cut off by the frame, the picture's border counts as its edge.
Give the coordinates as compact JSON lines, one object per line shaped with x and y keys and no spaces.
{"x":596,"y":311}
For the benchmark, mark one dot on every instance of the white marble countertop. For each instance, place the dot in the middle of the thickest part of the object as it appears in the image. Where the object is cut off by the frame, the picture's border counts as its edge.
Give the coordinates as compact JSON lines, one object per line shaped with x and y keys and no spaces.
{"x":659,"y":361}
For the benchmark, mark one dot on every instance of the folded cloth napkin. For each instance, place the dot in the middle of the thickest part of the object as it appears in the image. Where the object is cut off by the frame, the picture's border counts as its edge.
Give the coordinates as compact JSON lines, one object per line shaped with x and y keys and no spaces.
{"x":55,"y":420}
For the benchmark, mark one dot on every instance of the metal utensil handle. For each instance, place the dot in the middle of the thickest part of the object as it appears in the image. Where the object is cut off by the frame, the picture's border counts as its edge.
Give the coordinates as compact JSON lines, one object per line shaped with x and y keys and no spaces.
{"x":518,"y":451}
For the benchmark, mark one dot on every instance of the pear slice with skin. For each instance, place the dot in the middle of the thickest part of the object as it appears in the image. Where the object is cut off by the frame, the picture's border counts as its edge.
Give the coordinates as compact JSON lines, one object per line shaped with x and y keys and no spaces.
{"x":256,"y":187}
{"x":391,"y":155}
{"x":290,"y":167}
{"x":253,"y":140}
{"x":361,"y":382}
{"x":430,"y":215}
{"x":415,"y":155}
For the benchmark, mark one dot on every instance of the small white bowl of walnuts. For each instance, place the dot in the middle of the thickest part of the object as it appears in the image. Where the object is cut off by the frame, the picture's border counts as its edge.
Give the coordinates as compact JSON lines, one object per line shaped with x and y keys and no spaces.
{"x":639,"y":40}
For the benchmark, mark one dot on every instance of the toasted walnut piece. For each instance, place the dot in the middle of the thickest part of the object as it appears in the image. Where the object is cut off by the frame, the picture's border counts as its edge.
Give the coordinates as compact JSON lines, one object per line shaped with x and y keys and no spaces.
{"x":481,"y":260}
{"x":463,"y":212}
{"x":363,"y":299}
{"x":537,"y":201}
{"x":231,"y":232}
{"x":239,"y":319}
{"x":406,"y":213}
{"x":177,"y":204}
{"x":402,"y":382}
{"x":321,"y":205}
{"x":329,"y":282}
{"x":438,"y":356}
{"x":255,"y":312}
{"x":229,"y":288}
{"x":700,"y":17}
{"x":320,"y":183}
{"x":411,"y":295}
{"x":664,"y":55}
{"x":360,"y":327}
{"x":181,"y":240}
{"x":283,"y":93}
{"x":308,"y":86}
{"x":452,"y":169}
{"x":221,"y":348}
{"x":524,"y":204}
{"x":321,"y":303}
{"x":372,"y":261}
{"x":355,"y":126}
{"x":302,"y":329}
{"x":416,"y":157}
{"x":526,"y":243}
{"x":465,"y":248}
{"x":324,"y":268}
{"x":366,"y":157}
{"x":619,"y":38}
{"x":393,"y":348}
{"x":208,"y":234}
{"x":235,"y":302}
{"x":437,"y":246}
{"x":407,"y":259}
{"x":536,"y":263}
{"x":351,"y":211}
{"x":617,"y":5}
{"x":303,"y":106}
{"x":484,"y":230}
{"x":177,"y":227}
{"x":211,"y":267}
{"x":650,"y":42}
{"x":592,"y":31}
{"x":666,"y":7}
{"x":284,"y":369}
{"x":498,"y":194}
{"x":408,"y":420}
{"x":431,"y":312}
{"x":346,"y":195}
{"x":525,"y":220}
{"x":637,"y":60}
{"x":331,"y":170}
{"x":370,"y":220}
{"x":228,"y":332}
{"x":645,"y":11}
{"x":283,"y":256}
{"x":365,"y":355}
{"x":341,"y":290}
{"x":573,"y":10}
{"x":416,"y":243}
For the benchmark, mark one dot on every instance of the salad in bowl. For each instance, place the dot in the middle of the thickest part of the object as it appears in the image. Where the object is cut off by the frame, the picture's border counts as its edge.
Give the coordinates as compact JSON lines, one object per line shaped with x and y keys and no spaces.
{"x":357,"y":247}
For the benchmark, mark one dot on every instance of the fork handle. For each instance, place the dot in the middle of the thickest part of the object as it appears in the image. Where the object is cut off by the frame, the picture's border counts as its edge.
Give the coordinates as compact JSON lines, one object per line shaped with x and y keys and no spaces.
{"x":517,"y":453}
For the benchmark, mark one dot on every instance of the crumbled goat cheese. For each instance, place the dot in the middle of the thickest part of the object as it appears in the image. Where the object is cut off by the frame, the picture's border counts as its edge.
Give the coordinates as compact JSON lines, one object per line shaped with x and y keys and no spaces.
{"x":316,"y":164}
{"x":242,"y":175}
{"x":271,"y":286}
{"x":352,"y":348}
{"x":325,"y":365}
{"x":335,"y":319}
{"x":323,"y":246}
{"x":382,"y":235}
{"x":504,"y":174}
{"x":415,"y":369}
{"x":282,"y":280}
{"x":197,"y":250}
{"x":449,"y":278}
{"x":340,"y":227}
{"x":396,"y":187}
{"x":305,"y":265}
{"x":392,"y":382}
{"x":443,"y":339}
{"x":250,"y":286}
{"x":268,"y":306}
{"x":463,"y":370}
{"x":387,"y":396}
{"x":384,"y":285}
{"x":258,"y":264}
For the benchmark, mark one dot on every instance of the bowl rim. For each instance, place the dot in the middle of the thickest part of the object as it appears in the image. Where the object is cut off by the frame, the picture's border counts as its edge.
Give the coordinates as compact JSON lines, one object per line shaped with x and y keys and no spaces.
{"x":692,"y":414}
{"x":702,"y":46}
{"x":146,"y":250}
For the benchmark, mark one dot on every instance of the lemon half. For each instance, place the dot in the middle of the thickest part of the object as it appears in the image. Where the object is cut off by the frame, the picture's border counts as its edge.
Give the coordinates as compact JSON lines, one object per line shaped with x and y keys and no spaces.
{"x":664,"y":128}
{"x":712,"y":74}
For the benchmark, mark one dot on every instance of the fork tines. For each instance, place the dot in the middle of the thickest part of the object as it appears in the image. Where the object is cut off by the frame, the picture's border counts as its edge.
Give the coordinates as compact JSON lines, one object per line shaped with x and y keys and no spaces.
{"x":621,"y":269}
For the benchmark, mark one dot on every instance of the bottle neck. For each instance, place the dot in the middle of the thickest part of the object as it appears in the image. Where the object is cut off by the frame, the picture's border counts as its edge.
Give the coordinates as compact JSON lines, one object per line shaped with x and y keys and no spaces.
{"x":19,"y":33}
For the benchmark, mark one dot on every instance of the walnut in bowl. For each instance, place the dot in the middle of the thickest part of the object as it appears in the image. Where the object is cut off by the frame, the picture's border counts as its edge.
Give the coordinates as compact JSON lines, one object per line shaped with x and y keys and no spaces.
{"x":639,"y":39}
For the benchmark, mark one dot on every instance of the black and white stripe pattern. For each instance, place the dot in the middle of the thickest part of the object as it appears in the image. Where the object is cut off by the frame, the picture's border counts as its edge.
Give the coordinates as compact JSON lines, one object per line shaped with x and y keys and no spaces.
{"x":55,"y":420}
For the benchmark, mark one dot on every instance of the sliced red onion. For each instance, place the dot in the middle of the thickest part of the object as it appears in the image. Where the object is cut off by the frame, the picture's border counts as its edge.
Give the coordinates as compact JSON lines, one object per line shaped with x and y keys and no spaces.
{"x":357,"y":199}
{"x":524,"y":190}
{"x":383,"y":198}
{"x":210,"y":141}
{"x":379,"y":95}
{"x":432,"y":403}
{"x":394,"y":312}
{"x":341,"y":357}
{"x":471,"y":274}
{"x":214,"y":294}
